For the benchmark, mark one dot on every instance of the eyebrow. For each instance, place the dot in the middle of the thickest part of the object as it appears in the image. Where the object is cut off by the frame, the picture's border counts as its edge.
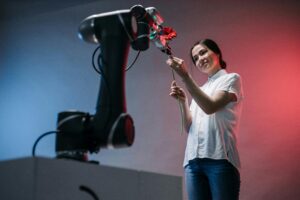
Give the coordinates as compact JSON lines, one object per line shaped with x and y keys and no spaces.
{"x":202,"y":50}
{"x":198,"y":53}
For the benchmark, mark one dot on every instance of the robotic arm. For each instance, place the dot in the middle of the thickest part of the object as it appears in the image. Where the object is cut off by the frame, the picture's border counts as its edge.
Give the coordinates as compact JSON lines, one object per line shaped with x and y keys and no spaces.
{"x":111,"y":126}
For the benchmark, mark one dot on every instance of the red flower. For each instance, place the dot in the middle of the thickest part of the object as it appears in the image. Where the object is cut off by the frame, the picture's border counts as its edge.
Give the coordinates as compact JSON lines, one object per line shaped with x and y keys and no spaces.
{"x":168,"y":33}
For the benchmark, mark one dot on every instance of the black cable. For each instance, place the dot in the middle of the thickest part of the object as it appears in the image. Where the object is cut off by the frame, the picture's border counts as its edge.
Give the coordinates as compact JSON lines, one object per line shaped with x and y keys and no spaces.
{"x":98,"y":69}
{"x":39,"y":138}
{"x":89,"y":191}
{"x":133,"y":61}
{"x":93,"y":59}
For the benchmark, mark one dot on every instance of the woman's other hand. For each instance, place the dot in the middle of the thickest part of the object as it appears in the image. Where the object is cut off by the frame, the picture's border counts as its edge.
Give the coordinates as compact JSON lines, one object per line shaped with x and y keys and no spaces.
{"x":177,"y":92}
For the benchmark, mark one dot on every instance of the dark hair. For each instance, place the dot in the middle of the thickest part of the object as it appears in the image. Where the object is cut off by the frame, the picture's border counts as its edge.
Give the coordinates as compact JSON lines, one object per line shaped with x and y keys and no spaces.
{"x":212,"y":45}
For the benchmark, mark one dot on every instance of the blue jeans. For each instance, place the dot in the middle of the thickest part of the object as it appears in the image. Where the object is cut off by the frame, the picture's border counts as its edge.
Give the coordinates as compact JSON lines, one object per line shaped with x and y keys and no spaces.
{"x":208,"y":179}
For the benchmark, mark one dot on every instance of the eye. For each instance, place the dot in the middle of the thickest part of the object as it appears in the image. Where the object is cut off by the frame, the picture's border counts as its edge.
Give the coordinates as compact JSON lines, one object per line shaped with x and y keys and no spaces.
{"x":202,"y":52}
{"x":195,"y":58}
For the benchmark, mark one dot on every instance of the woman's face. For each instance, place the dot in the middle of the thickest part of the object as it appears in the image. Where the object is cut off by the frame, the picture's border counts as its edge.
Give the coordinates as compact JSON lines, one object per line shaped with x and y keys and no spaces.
{"x":205,"y":60}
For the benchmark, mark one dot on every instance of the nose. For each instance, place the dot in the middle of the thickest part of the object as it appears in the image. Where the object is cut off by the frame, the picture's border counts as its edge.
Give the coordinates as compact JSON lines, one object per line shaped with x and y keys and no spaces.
{"x":198,"y":59}
{"x":202,"y":60}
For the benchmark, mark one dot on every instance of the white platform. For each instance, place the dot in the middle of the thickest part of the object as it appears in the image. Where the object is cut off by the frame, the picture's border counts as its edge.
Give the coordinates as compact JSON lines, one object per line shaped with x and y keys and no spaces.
{"x":53,"y":179}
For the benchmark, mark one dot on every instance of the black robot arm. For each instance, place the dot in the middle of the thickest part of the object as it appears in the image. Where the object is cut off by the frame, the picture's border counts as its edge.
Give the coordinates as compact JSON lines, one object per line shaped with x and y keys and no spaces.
{"x":111,"y":126}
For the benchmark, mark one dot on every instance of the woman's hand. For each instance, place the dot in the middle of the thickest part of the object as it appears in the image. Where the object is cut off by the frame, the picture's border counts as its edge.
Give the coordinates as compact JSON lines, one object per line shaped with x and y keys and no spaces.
{"x":177,"y":92}
{"x":178,"y":65}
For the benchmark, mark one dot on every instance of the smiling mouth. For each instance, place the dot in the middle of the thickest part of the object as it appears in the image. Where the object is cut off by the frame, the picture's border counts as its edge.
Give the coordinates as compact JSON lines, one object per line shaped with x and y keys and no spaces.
{"x":203,"y":63}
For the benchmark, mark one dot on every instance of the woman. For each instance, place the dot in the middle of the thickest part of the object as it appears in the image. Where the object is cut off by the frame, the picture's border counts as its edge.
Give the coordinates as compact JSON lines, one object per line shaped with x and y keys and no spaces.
{"x":211,"y":158}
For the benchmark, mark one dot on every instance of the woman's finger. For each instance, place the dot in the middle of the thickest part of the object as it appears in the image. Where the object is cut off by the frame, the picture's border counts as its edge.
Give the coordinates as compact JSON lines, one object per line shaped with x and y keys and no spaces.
{"x":173,"y":94}
{"x":173,"y":83}
{"x":178,"y":61}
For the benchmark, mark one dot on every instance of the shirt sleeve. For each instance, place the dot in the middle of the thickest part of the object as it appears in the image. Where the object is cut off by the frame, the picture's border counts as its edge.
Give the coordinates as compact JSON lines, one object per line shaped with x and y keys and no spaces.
{"x":192,"y":105}
{"x":232,"y":84}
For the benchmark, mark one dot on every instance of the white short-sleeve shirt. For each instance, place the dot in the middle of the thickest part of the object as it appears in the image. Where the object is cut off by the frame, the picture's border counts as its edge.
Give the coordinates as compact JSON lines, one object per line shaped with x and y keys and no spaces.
{"x":215,"y":136}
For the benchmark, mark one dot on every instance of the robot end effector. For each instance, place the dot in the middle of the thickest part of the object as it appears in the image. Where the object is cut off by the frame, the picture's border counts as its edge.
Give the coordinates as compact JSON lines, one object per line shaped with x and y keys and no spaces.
{"x":143,"y":25}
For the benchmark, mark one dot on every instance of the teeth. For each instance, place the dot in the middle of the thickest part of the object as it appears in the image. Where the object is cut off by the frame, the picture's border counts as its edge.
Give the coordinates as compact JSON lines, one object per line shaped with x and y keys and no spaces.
{"x":203,"y":62}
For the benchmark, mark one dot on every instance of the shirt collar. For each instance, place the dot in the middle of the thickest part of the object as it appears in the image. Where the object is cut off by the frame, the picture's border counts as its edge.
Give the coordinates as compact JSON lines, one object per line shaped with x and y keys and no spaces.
{"x":219,"y":73}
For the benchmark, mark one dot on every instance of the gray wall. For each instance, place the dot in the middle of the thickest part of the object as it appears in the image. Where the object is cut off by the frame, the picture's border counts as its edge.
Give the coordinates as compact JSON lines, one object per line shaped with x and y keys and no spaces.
{"x":45,"y":69}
